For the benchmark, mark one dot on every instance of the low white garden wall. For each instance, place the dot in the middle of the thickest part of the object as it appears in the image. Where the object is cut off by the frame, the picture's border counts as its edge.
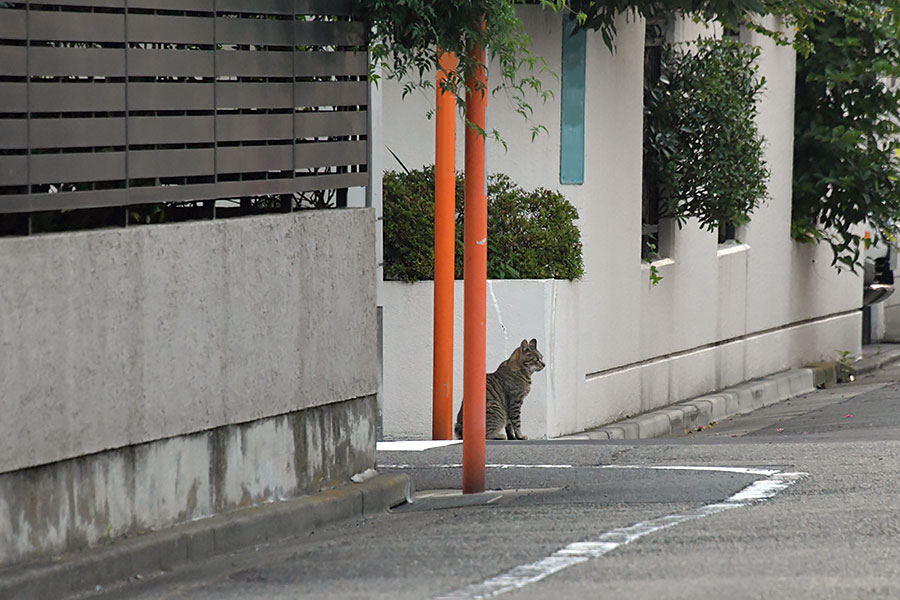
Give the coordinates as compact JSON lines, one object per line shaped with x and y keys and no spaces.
{"x":576,"y":391}
{"x":516,"y":310}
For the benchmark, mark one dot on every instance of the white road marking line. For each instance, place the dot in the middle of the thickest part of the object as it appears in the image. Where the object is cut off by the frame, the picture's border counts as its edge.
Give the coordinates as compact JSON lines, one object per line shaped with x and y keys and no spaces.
{"x":763,"y":489}
{"x":741,"y":470}
{"x":738,"y":470}
{"x":579,"y":552}
{"x":489,"y":466}
{"x":414,"y":445}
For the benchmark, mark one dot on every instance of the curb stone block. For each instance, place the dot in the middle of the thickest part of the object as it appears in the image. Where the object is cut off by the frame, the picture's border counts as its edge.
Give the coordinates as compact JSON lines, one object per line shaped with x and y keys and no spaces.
{"x":658,"y":424}
{"x":720,"y":407}
{"x":616,"y":433}
{"x":732,"y":405}
{"x":783,"y":388}
{"x":676,"y":419}
{"x":705,"y":406}
{"x":631,"y":430}
{"x":691,"y":416}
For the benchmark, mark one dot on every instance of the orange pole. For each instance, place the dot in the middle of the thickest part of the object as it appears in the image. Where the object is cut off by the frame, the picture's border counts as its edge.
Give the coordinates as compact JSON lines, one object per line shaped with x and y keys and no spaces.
{"x":475,"y":264}
{"x":444,"y":251}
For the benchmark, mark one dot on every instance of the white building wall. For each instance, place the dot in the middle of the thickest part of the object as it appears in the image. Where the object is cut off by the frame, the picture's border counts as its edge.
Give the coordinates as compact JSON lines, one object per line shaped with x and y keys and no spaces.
{"x":721,"y":315}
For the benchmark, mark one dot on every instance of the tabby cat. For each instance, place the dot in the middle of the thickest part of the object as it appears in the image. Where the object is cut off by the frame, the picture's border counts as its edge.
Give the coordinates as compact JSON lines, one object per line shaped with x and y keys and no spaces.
{"x":505,"y":390}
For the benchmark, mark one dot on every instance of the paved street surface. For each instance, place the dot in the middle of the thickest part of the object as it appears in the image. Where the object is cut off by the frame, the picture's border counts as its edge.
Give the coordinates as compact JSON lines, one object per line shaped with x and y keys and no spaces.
{"x":799,"y":500}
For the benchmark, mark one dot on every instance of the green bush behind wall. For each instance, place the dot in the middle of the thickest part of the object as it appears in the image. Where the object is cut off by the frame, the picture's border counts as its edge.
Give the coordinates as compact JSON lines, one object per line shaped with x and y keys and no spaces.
{"x":531,"y":234}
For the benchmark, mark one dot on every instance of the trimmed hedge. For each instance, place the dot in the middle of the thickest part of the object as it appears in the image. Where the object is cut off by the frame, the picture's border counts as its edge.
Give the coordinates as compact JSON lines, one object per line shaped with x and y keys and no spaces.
{"x":531,"y":235}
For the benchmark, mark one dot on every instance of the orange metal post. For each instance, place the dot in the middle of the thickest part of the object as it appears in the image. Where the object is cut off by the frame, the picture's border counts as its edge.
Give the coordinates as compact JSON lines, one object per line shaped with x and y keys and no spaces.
{"x":444,"y":250}
{"x":475,"y":263}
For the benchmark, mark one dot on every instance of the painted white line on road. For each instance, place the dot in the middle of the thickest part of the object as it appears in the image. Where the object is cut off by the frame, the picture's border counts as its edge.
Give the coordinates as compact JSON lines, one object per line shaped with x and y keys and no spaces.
{"x":579,"y":552}
{"x":413,"y":445}
{"x":764,"y":489}
{"x":488,"y":466}
{"x":740,"y":470}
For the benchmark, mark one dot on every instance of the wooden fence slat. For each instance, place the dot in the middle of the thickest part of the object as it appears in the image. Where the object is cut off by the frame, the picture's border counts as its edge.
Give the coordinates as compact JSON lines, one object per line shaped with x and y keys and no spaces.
{"x":330,"y":123}
{"x":91,"y":3}
{"x":235,"y":128}
{"x":13,"y":97}
{"x":85,"y":62}
{"x":20,"y":203}
{"x":12,"y":24}
{"x":76,"y":26}
{"x":332,"y":93}
{"x":171,"y":163}
{"x":170,"y":29}
{"x":331,"y":33}
{"x":308,"y":64}
{"x":327,"y":154}
{"x":171,"y":130}
{"x":259,"y":64}
{"x":282,"y":7}
{"x":210,"y":191}
{"x":253,"y":95}
{"x":77,"y":97}
{"x":13,"y":170}
{"x":253,"y":159}
{"x":13,"y":134}
{"x":192,"y":5}
{"x":77,"y":133}
{"x":324,"y":7}
{"x":12,"y":60}
{"x":169,"y":63}
{"x":330,"y":181}
{"x":170,"y":96}
{"x":254,"y":31}
{"x":75,"y":168}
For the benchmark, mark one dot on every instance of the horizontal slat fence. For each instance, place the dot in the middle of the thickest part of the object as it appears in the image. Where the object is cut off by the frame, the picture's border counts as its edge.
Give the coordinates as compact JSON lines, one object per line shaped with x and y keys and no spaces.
{"x":121,"y":102}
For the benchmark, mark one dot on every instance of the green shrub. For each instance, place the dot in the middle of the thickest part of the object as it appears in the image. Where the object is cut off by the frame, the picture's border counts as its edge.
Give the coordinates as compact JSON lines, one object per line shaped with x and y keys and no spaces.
{"x":531,"y":235}
{"x":704,"y":151}
{"x":846,"y":160}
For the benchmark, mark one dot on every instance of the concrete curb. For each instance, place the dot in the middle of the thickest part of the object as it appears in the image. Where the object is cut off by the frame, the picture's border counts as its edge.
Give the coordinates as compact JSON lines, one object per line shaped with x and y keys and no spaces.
{"x":197,"y":541}
{"x":874,"y":362}
{"x":679,"y":418}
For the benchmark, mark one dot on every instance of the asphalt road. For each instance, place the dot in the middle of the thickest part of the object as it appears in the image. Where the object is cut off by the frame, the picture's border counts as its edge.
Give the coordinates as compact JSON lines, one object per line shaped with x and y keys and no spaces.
{"x":799,"y":500}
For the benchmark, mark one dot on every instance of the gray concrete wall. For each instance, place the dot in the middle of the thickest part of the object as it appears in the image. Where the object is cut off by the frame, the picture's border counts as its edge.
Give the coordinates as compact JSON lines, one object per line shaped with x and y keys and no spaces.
{"x":77,"y":503}
{"x":120,"y":337}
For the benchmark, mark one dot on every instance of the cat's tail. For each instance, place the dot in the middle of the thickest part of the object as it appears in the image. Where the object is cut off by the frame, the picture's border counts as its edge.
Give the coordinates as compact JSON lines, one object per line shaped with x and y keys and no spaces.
{"x":458,"y":428}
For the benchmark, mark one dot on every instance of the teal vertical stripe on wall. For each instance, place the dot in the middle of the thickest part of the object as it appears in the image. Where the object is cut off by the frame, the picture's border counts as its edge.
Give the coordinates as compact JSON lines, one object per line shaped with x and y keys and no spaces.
{"x":571,"y":153}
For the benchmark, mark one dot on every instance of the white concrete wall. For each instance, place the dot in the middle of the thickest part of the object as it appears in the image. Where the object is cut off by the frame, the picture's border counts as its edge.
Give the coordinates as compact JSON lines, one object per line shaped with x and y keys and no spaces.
{"x":720,"y":315}
{"x":117,"y":337}
{"x":517,"y":310}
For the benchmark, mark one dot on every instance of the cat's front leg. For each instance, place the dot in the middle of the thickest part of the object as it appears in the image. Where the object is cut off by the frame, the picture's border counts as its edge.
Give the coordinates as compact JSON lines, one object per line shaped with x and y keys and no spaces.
{"x":499,"y":435}
{"x":514,"y":433}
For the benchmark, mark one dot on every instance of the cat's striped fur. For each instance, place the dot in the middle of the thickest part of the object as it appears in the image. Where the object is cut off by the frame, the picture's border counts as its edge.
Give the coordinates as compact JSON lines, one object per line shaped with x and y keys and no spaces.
{"x":505,"y":391}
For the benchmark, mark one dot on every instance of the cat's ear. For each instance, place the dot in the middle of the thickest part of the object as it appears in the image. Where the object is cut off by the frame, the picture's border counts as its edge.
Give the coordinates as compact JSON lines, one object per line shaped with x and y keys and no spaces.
{"x":524,"y":345}
{"x":533,"y":343}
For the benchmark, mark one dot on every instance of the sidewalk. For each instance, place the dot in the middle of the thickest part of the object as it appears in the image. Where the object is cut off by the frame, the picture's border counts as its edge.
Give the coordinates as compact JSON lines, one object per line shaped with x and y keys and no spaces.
{"x":194,"y":542}
{"x":680,"y":418}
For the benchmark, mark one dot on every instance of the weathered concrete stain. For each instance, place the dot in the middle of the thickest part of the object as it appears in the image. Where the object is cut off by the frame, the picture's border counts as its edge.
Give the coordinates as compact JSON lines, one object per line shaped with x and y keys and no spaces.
{"x":120,"y":337}
{"x":81,"y":502}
